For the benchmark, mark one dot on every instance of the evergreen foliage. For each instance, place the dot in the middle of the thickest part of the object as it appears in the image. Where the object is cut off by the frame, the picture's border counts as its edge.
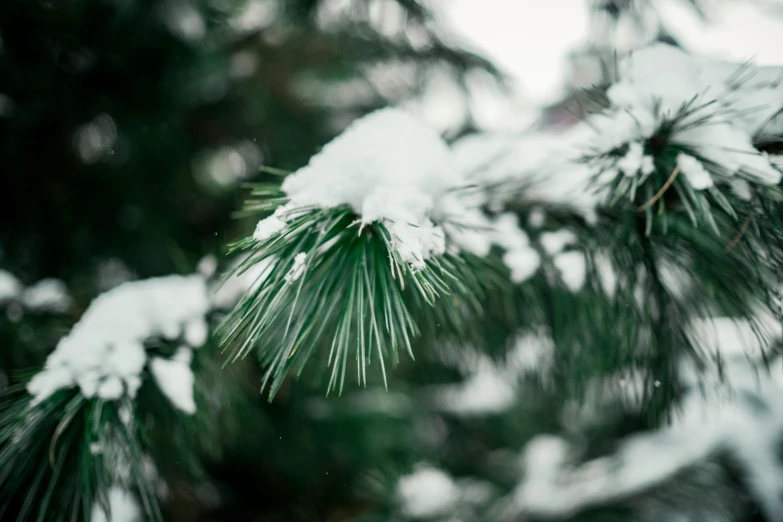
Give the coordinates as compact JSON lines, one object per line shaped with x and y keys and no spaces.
{"x":556,"y":317}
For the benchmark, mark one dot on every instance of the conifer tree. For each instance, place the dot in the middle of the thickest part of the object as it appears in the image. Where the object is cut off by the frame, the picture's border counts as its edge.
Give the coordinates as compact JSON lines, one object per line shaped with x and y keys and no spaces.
{"x":571,"y":323}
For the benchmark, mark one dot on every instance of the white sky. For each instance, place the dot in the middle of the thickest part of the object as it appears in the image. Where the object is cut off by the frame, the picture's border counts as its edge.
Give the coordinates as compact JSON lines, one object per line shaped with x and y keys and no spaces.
{"x":527,"y":38}
{"x":530,"y":38}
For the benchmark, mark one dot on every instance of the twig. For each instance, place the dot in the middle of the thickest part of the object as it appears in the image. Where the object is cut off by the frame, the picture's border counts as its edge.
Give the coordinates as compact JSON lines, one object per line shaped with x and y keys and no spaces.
{"x":660,"y":193}
{"x":736,"y":240}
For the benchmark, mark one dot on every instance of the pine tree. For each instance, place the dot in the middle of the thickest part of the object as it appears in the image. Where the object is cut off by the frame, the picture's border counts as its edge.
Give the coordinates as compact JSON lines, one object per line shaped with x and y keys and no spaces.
{"x":576,"y":322}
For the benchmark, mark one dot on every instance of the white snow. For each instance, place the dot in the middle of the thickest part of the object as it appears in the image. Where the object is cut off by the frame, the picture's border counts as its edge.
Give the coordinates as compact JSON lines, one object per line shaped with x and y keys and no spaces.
{"x":387,"y":167}
{"x":622,"y":124}
{"x":523,"y":263}
{"x":520,"y":258}
{"x":196,"y":332}
{"x":673,"y":76}
{"x":735,"y":337}
{"x":207,"y":266}
{"x":648,"y":165}
{"x":692,"y":168}
{"x":738,"y":344}
{"x":104,"y":353}
{"x":175,"y":379}
{"x":10,"y":286}
{"x":531,"y":352}
{"x":747,"y":423}
{"x":635,"y":161}
{"x":471,"y":231}
{"x":555,"y":242}
{"x":607,"y":276}
{"x":654,"y":83}
{"x":427,"y":493}
{"x":486,"y":391}
{"x":536,"y":219}
{"x":741,"y":189}
{"x":731,"y":149}
{"x":494,"y":158}
{"x":554,"y":488}
{"x":571,"y":265}
{"x":490,"y":387}
{"x":543,"y":166}
{"x":573,"y":269}
{"x":111,"y":388}
{"x":666,"y":78}
{"x":270,"y":226}
{"x":297,"y":269}
{"x":49,"y":295}
{"x":123,"y":507}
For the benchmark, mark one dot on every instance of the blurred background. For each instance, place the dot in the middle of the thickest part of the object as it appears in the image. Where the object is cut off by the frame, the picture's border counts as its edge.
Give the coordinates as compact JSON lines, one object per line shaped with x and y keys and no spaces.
{"x":127,"y":128}
{"x":131,"y":124}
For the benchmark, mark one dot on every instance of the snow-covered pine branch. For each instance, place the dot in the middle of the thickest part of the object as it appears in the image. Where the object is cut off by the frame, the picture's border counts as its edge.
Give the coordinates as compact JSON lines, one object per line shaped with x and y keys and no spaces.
{"x":683,"y":131}
{"x":386,"y":167}
{"x":84,"y":401}
{"x":104,"y":355}
{"x":383,"y":220}
{"x":734,"y":414}
{"x":391,"y":169}
{"x":669,"y":193}
{"x":727,"y":413}
{"x":389,"y":188}
{"x":668,"y":113}
{"x":680,"y":145}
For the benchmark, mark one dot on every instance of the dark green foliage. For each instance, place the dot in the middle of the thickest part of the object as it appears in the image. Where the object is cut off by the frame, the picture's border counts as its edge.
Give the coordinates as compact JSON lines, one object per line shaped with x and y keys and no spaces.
{"x":166,"y":102}
{"x":162,"y":105}
{"x":157,"y":103}
{"x":59,"y":456}
{"x":81,"y":447}
{"x":664,"y":189}
{"x":352,"y":288}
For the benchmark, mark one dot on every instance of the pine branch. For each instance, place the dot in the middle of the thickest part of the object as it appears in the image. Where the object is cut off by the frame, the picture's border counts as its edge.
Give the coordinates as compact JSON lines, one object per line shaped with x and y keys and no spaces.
{"x":350,"y":286}
{"x":61,"y":456}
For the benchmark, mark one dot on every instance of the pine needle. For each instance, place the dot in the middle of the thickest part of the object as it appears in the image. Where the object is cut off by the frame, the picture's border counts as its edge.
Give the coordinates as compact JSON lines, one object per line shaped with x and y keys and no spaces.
{"x":349,"y":279}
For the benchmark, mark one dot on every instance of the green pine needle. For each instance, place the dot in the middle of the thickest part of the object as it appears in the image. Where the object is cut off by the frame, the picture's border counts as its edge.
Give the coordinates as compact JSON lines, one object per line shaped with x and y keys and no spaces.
{"x":355,"y":298}
{"x":49,"y":470}
{"x":664,"y":191}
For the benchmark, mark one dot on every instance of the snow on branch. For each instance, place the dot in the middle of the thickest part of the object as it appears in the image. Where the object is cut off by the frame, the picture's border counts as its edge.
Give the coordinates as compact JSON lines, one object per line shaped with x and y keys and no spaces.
{"x":383,"y":206}
{"x":389,"y":203}
{"x":429,"y":493}
{"x":104,"y":354}
{"x":667,"y":110}
{"x":390,"y":168}
{"x":713,"y":110}
{"x":45,"y":296}
{"x":744,"y":420}
{"x":122,"y":507}
{"x":540,"y":167}
{"x":492,"y":387}
{"x":125,"y":336}
{"x":387,"y":167}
